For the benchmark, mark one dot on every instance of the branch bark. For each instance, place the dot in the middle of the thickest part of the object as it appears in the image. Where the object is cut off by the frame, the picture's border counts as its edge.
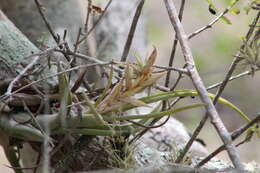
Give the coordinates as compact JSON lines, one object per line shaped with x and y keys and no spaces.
{"x":195,"y":77}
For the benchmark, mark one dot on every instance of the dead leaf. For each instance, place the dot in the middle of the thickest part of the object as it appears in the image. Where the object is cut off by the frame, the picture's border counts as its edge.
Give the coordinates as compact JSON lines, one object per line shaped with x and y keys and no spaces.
{"x":97,"y":9}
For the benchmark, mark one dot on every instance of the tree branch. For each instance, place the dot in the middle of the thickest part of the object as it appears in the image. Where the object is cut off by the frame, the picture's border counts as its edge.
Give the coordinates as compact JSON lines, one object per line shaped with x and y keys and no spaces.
{"x":132,"y":31}
{"x":210,"y":108}
{"x":234,"y":136}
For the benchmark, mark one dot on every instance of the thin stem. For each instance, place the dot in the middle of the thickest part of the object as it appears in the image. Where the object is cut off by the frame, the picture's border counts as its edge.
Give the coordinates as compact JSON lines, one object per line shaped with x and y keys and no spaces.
{"x":93,"y":109}
{"x":88,"y":14}
{"x":48,"y":25}
{"x":234,"y":136}
{"x":51,"y":76}
{"x":175,"y":43}
{"x":232,"y":78}
{"x":132,"y":31}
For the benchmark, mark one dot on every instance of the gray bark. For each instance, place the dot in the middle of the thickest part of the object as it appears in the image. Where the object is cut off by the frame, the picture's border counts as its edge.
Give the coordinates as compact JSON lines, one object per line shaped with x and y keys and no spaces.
{"x":14,"y":46}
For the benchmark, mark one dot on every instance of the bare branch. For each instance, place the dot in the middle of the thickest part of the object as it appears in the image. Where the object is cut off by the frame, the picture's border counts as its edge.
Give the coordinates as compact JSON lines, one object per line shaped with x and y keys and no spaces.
{"x":132,"y":31}
{"x":234,"y":136}
{"x":174,"y":47}
{"x":3,"y":97}
{"x":246,"y":73}
{"x":48,"y":25}
{"x":210,"y":108}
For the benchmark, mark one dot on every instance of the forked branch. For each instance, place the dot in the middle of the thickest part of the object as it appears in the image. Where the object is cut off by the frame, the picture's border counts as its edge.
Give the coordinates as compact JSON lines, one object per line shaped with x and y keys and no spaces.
{"x":197,"y":82}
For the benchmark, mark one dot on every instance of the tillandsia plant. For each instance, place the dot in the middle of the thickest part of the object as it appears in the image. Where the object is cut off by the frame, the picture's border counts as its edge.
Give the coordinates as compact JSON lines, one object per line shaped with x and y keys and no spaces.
{"x":103,"y":114}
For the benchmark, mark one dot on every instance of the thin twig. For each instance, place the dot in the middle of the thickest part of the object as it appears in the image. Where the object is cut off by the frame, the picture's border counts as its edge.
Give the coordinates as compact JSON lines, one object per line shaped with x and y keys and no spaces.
{"x":59,"y":146}
{"x":48,"y":25}
{"x":76,"y":46}
{"x":132,"y":31}
{"x":240,"y":75}
{"x":3,"y":97}
{"x":78,"y":82}
{"x":96,"y":23}
{"x":148,"y":126}
{"x":212,"y":22}
{"x":99,"y":19}
{"x":82,"y":56}
{"x":174,"y":47}
{"x":96,"y":60}
{"x":19,"y":168}
{"x":54,"y":36}
{"x":232,"y":78}
{"x":81,"y":74}
{"x":180,"y":70}
{"x":234,"y":136}
{"x":27,"y":68}
{"x":176,"y":82}
{"x":139,"y":135}
{"x":33,"y":118}
{"x":88,"y":14}
{"x":17,"y":78}
{"x":175,"y":102}
{"x":210,"y":108}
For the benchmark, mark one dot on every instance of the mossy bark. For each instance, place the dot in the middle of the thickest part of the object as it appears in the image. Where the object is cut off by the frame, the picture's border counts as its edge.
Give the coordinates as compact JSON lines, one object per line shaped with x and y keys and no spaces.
{"x":14,"y":47}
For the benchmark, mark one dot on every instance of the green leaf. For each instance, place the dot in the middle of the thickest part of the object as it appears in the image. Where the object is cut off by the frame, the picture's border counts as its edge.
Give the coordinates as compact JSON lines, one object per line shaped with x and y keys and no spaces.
{"x":212,"y":10}
{"x":153,"y":115}
{"x":13,"y":128}
{"x":235,"y":11}
{"x":251,"y":131}
{"x":183,"y":93}
{"x":247,"y":8}
{"x":64,"y":92}
{"x":138,"y":60}
{"x":226,"y":20}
